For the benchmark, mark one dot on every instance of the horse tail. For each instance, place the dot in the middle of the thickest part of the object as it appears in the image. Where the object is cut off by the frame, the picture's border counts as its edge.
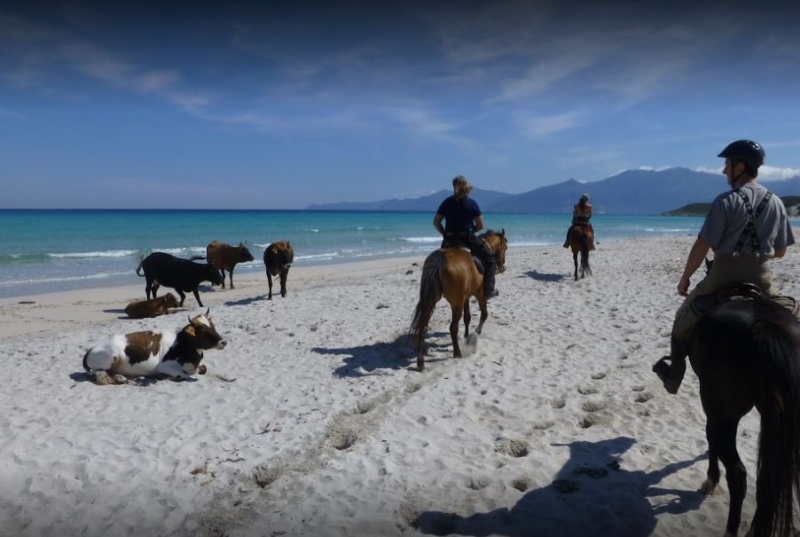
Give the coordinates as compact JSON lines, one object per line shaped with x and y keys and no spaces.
{"x":777,"y":360}
{"x":585,"y":254}
{"x":430,"y":291}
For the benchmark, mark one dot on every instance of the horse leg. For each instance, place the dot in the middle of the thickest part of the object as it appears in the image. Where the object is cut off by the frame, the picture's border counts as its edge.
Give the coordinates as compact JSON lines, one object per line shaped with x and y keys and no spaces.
{"x":709,"y":486}
{"x":454,"y":329}
{"x":722,"y":434}
{"x":575,"y":261}
{"x":467,"y":318}
{"x":484,"y":314}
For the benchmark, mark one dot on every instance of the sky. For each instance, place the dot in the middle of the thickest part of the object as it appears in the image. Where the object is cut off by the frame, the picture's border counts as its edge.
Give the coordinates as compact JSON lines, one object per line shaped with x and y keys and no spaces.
{"x":278,"y":105}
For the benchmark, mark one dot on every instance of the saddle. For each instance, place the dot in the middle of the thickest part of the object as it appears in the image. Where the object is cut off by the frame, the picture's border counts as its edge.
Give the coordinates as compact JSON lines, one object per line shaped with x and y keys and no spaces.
{"x":704,"y":304}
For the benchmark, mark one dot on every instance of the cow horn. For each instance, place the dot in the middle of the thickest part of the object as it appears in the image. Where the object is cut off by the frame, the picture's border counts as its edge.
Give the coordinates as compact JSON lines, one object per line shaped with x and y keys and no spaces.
{"x":190,"y":318}
{"x":208,"y":311}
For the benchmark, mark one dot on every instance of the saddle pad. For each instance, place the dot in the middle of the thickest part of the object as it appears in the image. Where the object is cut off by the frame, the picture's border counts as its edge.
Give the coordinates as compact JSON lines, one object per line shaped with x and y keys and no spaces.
{"x":703,"y":304}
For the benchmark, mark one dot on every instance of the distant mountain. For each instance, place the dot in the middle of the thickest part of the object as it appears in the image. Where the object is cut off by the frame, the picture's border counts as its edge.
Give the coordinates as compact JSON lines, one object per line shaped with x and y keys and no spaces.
{"x":630,"y":192}
{"x":792,"y":204}
{"x":428,"y":203}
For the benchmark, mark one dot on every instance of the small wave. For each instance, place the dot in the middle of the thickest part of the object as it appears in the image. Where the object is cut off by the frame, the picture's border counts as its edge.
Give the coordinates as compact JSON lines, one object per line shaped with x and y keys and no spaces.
{"x":325,"y":256}
{"x":421,"y":239}
{"x":667,"y":230}
{"x":109,"y":253}
{"x":88,"y":277}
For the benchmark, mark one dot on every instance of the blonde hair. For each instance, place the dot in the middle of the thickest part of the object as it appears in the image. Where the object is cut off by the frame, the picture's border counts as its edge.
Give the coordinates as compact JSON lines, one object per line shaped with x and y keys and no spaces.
{"x":461,"y":186}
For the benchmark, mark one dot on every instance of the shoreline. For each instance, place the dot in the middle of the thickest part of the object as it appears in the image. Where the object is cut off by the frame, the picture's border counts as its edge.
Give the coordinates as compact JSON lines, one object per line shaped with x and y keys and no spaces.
{"x":46,"y":313}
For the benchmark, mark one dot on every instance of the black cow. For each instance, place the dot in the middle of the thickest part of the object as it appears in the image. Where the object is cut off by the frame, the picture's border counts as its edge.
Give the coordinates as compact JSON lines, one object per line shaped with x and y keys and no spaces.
{"x":278,"y":259}
{"x":181,"y":274}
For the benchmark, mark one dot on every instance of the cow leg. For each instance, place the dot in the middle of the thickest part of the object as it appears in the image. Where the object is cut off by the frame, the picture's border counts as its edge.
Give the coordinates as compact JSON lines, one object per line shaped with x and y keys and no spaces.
{"x":155,"y":287}
{"x":148,"y":288}
{"x":172,"y":369}
{"x":182,"y":295}
{"x":223,"y":279}
{"x":196,"y":295}
{"x":269,"y":280}
{"x":284,"y":277}
{"x":231,"y":278}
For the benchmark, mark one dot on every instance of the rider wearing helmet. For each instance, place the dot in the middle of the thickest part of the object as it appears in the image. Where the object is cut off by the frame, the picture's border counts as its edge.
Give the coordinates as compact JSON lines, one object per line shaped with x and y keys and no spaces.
{"x":745,"y":227}
{"x":463,"y":218}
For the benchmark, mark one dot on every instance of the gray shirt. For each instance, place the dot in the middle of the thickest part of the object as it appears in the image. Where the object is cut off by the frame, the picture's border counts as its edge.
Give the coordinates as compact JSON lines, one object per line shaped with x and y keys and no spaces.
{"x":728,"y":217}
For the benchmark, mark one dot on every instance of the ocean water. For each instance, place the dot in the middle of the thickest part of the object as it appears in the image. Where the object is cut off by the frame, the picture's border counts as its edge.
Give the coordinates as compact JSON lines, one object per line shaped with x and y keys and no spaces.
{"x":43,"y":251}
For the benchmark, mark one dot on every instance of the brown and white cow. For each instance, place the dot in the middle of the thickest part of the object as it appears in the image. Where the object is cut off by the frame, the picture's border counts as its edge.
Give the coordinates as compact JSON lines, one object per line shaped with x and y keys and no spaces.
{"x":278,"y":259}
{"x":162,"y":352}
{"x":143,"y":309}
{"x":225,"y":257}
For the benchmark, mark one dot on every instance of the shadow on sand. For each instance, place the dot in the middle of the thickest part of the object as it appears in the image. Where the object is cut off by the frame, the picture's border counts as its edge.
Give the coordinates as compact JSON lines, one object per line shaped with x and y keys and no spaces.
{"x":590,"y":496}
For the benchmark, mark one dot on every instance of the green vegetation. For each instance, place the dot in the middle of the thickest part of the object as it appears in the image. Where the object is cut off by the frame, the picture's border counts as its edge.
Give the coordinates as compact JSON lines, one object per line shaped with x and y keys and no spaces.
{"x":693,"y":209}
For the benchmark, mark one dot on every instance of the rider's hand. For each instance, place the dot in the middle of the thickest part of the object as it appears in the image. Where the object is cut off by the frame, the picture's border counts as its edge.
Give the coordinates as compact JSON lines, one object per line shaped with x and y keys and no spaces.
{"x":683,"y":286}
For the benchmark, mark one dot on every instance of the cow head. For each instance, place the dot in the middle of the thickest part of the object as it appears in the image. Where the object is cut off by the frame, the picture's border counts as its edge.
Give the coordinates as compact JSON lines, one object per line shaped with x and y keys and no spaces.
{"x":202,"y":335}
{"x":244,"y":254}
{"x":170,"y":301}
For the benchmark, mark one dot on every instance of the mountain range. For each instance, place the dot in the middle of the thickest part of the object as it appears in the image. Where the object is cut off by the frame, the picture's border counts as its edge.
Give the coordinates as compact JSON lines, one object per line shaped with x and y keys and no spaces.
{"x":634,"y":192}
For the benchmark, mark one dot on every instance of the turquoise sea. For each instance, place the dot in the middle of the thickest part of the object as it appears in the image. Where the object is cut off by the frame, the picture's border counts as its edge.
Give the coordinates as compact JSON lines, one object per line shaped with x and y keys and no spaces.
{"x":42,"y":251}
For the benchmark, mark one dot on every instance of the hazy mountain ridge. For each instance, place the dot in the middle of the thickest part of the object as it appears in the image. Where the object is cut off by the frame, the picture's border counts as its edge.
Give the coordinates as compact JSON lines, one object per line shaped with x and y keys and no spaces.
{"x":630,"y":192}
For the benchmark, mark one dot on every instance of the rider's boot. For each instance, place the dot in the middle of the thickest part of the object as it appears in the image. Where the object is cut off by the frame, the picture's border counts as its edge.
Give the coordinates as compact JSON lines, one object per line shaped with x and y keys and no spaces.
{"x":671,"y":374}
{"x":566,"y":241}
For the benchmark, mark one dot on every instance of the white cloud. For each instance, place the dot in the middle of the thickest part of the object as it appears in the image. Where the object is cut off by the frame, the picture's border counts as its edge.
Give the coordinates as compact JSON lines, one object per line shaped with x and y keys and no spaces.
{"x":544,"y":126}
{"x":770,"y":173}
{"x":765,"y":173}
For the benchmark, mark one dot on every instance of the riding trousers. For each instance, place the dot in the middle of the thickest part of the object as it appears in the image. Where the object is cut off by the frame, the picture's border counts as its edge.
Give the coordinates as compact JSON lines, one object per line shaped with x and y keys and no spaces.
{"x":726,"y":269}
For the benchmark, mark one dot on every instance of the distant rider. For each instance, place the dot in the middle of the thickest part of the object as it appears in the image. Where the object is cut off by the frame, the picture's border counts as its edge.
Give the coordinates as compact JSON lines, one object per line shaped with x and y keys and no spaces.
{"x":745,"y":227}
{"x":581,"y":214}
{"x":463,"y":218}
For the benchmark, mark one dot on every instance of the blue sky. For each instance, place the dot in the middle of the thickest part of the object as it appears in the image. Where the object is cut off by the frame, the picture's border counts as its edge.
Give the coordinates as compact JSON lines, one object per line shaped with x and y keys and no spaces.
{"x":284,"y":104}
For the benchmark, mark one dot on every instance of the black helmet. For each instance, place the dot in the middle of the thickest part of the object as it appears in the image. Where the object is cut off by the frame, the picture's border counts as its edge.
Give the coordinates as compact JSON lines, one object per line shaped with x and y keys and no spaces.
{"x":748,"y":151}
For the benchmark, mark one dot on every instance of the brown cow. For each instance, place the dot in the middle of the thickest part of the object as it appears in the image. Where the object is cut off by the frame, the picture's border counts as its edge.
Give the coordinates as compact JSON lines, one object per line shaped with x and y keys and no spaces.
{"x":278,"y":259}
{"x":142,"y":309}
{"x":224,"y":257}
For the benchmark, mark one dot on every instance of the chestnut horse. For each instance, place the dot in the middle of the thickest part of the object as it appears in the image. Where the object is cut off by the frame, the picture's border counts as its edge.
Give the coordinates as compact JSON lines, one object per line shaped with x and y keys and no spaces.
{"x":451,"y":273}
{"x":746,"y":353}
{"x":581,"y":240}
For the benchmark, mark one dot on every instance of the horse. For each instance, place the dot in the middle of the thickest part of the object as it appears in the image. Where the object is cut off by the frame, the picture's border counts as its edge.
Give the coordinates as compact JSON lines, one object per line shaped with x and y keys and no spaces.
{"x":581,"y":239}
{"x":746,"y":353}
{"x":451,"y":273}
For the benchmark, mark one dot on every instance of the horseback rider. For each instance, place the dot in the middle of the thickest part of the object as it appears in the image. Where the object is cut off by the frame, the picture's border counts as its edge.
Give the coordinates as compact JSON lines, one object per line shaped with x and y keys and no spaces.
{"x":745,"y":227}
{"x":463,"y":218}
{"x":581,"y":214}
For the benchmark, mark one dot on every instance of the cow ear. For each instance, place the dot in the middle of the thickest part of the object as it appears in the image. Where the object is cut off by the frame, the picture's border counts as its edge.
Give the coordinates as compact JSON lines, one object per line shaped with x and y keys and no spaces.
{"x":190,"y":331}
{"x":288,"y":243}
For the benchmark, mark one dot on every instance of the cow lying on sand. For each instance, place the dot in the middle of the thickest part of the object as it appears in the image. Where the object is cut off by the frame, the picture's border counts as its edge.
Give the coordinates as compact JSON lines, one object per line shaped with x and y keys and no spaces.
{"x":225,"y":257}
{"x":176,"y":354}
{"x":180,"y":274}
{"x":143,"y":309}
{"x":278,"y":259}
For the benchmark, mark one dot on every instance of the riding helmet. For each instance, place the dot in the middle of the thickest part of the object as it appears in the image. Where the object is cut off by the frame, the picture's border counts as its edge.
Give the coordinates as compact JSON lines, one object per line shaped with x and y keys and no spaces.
{"x":747,"y":151}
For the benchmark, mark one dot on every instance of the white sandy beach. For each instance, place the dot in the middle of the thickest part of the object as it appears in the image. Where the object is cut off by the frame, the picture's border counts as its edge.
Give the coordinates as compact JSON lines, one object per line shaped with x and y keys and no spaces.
{"x":314,"y":420}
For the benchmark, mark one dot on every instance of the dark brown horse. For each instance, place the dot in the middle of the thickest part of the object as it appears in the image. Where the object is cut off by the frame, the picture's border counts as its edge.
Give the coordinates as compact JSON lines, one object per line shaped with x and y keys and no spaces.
{"x":451,"y":273}
{"x":581,"y":240}
{"x":746,"y":353}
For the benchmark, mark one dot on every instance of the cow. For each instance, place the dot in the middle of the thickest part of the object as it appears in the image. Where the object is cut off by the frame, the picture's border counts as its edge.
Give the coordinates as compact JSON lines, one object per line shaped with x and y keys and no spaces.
{"x":142,"y":309}
{"x":176,"y":354}
{"x":278,"y":259}
{"x":224,"y":257}
{"x":181,"y":274}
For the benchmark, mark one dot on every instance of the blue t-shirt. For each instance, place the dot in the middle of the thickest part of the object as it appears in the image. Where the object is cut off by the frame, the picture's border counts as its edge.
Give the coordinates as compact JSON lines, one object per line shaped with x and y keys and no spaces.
{"x":459,"y":215}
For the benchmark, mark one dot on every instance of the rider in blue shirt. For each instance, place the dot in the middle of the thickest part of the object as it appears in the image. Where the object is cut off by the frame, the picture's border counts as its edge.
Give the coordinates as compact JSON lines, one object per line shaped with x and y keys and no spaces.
{"x":463,"y":218}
